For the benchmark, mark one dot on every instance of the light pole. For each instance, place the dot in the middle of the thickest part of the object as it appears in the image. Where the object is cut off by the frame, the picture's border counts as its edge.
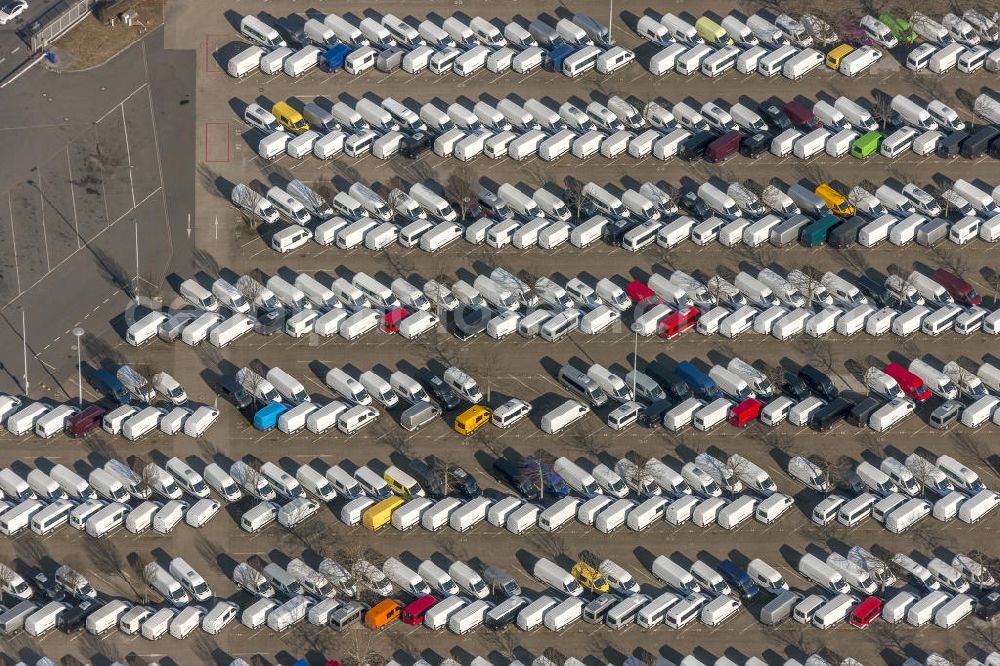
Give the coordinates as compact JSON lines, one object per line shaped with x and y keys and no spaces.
{"x":136,"y":260}
{"x":24,"y":347}
{"x":611,"y":17}
{"x":78,"y":332}
{"x":635,"y":362}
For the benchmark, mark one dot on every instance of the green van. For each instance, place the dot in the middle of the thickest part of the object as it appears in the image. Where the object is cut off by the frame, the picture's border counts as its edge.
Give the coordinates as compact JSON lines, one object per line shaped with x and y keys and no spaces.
{"x":866,"y":144}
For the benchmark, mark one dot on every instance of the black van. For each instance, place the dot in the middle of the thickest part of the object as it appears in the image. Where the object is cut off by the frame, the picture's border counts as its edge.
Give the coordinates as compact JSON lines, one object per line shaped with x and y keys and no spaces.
{"x":976,"y":145}
{"x":818,"y":382}
{"x":861,"y":412}
{"x":846,"y":234}
{"x":950,"y":145}
{"x":461,"y":480}
{"x":415,"y":144}
{"x":651,"y":416}
{"x":754,"y":145}
{"x":230,"y":389}
{"x":677,"y":390}
{"x":507,"y":472}
{"x":693,"y":148}
{"x":425,"y":476}
{"x":74,"y":619}
{"x":875,"y":291}
{"x":995,"y":148}
{"x":824,"y":417}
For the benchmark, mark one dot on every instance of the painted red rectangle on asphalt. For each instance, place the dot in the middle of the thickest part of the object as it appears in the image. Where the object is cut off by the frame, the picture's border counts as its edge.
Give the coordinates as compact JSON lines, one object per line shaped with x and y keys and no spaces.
{"x":217,"y":143}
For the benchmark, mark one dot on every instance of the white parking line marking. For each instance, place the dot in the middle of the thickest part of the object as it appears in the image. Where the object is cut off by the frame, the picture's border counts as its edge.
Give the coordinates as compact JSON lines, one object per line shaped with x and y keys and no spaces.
{"x":13,"y":240}
{"x":45,"y":236}
{"x":72,"y":195}
{"x":128,"y":154}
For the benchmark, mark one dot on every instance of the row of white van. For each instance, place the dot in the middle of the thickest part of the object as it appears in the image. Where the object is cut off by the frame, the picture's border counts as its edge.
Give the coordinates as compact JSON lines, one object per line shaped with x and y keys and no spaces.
{"x":554,"y":324}
{"x":779,"y":230}
{"x":100,"y":518}
{"x":784,"y":323}
{"x":769,"y":304}
{"x":130,"y":421}
{"x":735,"y":214}
{"x":605,"y":514}
{"x":38,"y":619}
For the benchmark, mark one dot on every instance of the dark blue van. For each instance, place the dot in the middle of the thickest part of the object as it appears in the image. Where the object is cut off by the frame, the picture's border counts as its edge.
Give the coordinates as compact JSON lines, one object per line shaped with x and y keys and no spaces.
{"x":701,"y":384}
{"x":107,"y":383}
{"x":738,"y":579}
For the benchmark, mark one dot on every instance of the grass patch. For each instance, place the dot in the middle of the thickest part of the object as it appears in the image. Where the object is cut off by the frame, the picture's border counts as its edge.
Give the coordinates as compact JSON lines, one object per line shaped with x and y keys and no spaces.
{"x":92,"y":43}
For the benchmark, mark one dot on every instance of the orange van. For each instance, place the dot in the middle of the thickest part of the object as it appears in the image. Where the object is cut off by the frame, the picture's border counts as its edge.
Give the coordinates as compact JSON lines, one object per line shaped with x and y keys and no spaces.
{"x":383,"y":614}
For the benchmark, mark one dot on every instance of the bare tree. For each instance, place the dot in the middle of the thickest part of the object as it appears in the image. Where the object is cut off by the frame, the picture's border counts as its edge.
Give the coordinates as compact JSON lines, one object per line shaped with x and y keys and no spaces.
{"x":875,"y":567}
{"x":149,"y":575}
{"x":839,"y":473}
{"x":823,"y":465}
{"x":361,"y":647}
{"x":108,"y":560}
{"x":972,"y":446}
{"x":954,"y":261}
{"x":585,"y":439}
{"x":443,"y":470}
{"x":249,"y":289}
{"x":924,"y":473}
{"x":882,"y":109}
{"x":549,"y":544}
{"x":399,"y":264}
{"x":8,"y":576}
{"x":503,"y":642}
{"x":819,"y":351}
{"x":254,"y":478}
{"x":486,"y":367}
{"x":536,"y":468}
{"x":462,"y":192}
{"x":397,"y":438}
{"x":149,"y":478}
{"x":395,"y":197}
{"x":573,"y":195}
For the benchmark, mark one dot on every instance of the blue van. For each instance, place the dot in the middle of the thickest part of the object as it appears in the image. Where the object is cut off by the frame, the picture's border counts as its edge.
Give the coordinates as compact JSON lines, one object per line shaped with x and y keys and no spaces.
{"x":738,"y":579}
{"x":267,"y":416}
{"x":551,"y":482}
{"x":108,"y":384}
{"x":701,"y":384}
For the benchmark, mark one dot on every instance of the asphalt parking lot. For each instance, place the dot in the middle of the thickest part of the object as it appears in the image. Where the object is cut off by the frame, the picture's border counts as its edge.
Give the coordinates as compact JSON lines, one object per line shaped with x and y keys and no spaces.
{"x":78,"y":207}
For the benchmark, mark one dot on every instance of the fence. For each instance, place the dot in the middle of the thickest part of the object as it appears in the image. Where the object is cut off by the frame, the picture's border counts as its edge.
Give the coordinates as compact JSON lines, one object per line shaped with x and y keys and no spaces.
{"x":56,"y":21}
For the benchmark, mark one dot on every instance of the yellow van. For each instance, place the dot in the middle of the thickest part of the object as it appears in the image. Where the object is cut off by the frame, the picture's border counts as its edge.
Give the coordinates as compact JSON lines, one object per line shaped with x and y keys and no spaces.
{"x":589,"y":577}
{"x":713,"y":33}
{"x":472,"y":419}
{"x":837,"y":54}
{"x":289,"y":118}
{"x":837,"y":202}
{"x":402,"y":483}
{"x":378,"y":515}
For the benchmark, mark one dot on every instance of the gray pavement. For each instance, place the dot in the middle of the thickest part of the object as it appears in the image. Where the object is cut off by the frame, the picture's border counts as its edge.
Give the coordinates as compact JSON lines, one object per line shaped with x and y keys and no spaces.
{"x":192,"y":151}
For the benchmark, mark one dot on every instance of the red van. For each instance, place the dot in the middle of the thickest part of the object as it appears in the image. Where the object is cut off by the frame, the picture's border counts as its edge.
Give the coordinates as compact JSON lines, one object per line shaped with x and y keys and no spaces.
{"x":960,"y":290}
{"x":745,"y":412}
{"x":677,"y":322}
{"x":391,"y":319}
{"x":801,"y":116}
{"x":912,"y":386}
{"x":720,"y":149}
{"x":866,"y":612}
{"x":414,"y":611}
{"x":638,"y":292}
{"x":83,"y":422}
